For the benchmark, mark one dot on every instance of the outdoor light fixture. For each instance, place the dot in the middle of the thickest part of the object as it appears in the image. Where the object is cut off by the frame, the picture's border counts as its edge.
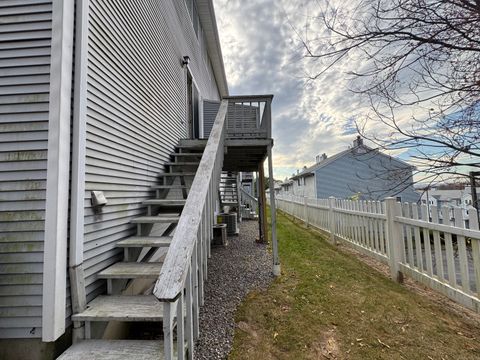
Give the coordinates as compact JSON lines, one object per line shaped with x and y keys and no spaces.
{"x":186,"y":60}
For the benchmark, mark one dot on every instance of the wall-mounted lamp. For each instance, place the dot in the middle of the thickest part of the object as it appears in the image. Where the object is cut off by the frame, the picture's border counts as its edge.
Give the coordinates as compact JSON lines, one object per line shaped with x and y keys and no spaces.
{"x":186,"y":60}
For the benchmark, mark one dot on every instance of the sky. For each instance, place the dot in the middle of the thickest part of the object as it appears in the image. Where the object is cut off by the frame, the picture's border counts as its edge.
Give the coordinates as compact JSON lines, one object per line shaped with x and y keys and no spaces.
{"x":263,"y":55}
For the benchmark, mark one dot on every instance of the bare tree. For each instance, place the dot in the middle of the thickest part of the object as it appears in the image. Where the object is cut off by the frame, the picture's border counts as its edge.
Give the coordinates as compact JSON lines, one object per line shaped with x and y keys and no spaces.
{"x":417,"y":56}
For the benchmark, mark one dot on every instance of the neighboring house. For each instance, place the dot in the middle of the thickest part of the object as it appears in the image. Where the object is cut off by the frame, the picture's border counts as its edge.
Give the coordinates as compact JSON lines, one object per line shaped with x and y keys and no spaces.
{"x":448,"y":198}
{"x":286,"y":187}
{"x":101,"y":114}
{"x":359,"y":171}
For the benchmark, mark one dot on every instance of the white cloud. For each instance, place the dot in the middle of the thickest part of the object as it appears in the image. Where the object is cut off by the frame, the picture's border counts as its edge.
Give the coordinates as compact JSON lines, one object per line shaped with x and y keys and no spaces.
{"x":263,"y":54}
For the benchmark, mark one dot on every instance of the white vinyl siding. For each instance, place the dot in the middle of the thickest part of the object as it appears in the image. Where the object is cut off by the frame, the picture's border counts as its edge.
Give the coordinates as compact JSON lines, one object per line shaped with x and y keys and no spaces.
{"x":25,"y":39}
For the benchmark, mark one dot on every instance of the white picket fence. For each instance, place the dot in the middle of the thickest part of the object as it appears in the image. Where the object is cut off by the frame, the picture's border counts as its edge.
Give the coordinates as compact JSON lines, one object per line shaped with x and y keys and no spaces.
{"x":441,"y":253}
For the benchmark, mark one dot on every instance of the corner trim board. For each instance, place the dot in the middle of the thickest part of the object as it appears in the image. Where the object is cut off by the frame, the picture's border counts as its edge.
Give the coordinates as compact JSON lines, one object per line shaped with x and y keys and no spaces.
{"x":56,"y":214}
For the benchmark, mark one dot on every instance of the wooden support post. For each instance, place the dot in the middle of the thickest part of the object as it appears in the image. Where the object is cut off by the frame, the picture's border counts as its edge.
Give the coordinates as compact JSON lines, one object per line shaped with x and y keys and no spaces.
{"x":168,"y":330}
{"x":239,"y":201}
{"x":331,"y":219}
{"x":273,"y":214}
{"x":262,"y":206}
{"x":394,"y":238}
{"x":189,"y":315}
{"x":180,"y":329}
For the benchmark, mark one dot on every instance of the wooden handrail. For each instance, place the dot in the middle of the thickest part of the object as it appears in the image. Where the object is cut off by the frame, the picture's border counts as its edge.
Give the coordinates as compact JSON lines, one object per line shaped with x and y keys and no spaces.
{"x":171,"y":281}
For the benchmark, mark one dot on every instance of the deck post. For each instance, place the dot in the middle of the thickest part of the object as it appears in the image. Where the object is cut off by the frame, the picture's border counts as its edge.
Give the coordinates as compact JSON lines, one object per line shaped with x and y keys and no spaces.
{"x":394,"y":238}
{"x":261,"y":205}
{"x":273,"y":214}
{"x":331,"y":219}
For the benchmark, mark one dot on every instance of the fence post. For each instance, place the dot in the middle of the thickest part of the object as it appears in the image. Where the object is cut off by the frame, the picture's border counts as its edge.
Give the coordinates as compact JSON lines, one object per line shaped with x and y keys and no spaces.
{"x":331,"y":219}
{"x":305,"y":208}
{"x":394,"y":238}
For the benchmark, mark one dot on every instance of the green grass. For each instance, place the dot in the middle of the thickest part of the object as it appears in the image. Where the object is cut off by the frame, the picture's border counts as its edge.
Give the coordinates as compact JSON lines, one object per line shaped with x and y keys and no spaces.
{"x":329,"y":305}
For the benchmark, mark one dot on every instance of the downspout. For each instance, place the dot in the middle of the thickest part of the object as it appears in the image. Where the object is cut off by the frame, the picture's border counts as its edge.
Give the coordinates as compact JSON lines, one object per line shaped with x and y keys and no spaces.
{"x":75,"y":266}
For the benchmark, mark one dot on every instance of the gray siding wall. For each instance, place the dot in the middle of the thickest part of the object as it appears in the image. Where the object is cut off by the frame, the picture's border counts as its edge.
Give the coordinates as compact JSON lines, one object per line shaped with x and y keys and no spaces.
{"x":210,"y":110}
{"x":373,"y":176}
{"x":136,"y":112}
{"x":25,"y":38}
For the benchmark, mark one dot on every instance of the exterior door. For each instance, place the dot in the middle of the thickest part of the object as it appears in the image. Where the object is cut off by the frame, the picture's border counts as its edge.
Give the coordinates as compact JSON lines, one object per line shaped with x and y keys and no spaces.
{"x":193,"y":108}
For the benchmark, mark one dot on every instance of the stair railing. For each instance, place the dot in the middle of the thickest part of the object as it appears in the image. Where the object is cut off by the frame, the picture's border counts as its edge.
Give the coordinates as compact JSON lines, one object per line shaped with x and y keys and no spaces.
{"x":180,"y":283}
{"x":248,"y":199}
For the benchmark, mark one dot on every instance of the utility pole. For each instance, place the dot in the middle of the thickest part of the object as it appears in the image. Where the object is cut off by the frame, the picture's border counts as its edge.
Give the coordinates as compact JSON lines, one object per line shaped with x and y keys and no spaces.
{"x":473,"y":189}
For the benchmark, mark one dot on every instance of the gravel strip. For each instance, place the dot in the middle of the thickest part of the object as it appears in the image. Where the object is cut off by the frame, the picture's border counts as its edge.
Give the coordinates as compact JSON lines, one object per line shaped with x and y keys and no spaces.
{"x":233,"y":271}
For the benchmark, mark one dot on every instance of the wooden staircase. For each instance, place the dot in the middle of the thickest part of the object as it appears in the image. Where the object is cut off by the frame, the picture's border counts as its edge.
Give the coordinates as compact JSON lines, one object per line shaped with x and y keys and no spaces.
{"x":143,"y":255}
{"x":229,"y":189}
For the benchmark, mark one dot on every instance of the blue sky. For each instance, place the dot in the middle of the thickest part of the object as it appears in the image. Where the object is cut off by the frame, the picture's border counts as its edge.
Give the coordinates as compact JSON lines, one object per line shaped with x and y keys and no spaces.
{"x":263,"y":55}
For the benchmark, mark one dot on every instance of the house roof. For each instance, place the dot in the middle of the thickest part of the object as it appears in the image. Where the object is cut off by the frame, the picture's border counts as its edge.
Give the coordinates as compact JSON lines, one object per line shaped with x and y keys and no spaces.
{"x":309,"y":170}
{"x":206,"y":13}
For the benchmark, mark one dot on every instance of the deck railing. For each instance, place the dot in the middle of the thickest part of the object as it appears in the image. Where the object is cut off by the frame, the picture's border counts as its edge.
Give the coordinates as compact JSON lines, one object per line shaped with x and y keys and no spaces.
{"x":442,"y":253}
{"x":180,"y":284}
{"x":247,"y":199}
{"x":249,"y":117}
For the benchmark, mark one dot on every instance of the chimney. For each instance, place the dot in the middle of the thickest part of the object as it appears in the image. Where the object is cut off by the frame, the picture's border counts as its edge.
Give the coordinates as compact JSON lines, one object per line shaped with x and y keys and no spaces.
{"x":358,"y":141}
{"x":320,"y":158}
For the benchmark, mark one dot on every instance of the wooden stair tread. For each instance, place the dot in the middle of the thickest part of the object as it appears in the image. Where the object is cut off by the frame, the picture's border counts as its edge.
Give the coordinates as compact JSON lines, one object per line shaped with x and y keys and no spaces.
{"x":155,"y":219}
{"x":193,"y":154}
{"x":115,"y":349}
{"x":183,"y":163}
{"x":177,"y":174}
{"x":175,"y":202}
{"x":122,"y":308}
{"x":169,"y":187}
{"x":132,"y":270}
{"x":146,"y":241}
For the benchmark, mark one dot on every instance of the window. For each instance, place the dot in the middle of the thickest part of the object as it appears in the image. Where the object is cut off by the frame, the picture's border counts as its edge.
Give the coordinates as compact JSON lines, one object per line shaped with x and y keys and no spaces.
{"x":399,"y":198}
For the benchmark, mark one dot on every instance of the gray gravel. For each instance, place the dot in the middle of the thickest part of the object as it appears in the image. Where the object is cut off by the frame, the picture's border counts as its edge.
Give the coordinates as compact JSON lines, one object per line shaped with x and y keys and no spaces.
{"x":233,"y":271}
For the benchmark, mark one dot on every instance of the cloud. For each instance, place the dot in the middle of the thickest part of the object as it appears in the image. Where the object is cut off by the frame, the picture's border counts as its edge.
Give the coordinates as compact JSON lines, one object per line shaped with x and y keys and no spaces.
{"x":263,"y":54}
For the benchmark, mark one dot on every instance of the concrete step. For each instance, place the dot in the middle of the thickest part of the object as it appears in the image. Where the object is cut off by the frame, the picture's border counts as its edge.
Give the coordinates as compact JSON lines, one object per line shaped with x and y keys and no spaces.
{"x":164,"y":202}
{"x":115,"y":350}
{"x":145,"y":241}
{"x":132,"y":270}
{"x":122,"y":308}
{"x":155,"y":219}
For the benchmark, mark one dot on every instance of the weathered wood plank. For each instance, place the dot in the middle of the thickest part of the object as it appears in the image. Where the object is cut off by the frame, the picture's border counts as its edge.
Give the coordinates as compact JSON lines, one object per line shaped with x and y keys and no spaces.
{"x":122,"y":308}
{"x":164,"y":202}
{"x":131,"y":270}
{"x":145,"y":241}
{"x":155,"y":219}
{"x":115,"y":350}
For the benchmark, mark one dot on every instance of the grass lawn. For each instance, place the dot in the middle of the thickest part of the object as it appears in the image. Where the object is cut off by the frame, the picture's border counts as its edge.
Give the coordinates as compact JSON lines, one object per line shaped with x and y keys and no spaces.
{"x":329,"y":305}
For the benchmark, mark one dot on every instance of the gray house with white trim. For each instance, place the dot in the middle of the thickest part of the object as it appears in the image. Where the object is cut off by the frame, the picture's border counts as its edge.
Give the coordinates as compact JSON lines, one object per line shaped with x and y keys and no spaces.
{"x":358,"y":172}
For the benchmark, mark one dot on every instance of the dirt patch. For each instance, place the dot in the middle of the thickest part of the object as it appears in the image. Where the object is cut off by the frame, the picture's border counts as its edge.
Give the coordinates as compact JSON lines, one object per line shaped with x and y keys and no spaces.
{"x":326,"y":348}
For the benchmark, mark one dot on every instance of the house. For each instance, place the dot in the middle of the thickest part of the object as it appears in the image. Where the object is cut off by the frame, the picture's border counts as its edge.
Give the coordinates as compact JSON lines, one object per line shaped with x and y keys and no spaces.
{"x":441,"y":198}
{"x":105,"y":112}
{"x":358,"y":172}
